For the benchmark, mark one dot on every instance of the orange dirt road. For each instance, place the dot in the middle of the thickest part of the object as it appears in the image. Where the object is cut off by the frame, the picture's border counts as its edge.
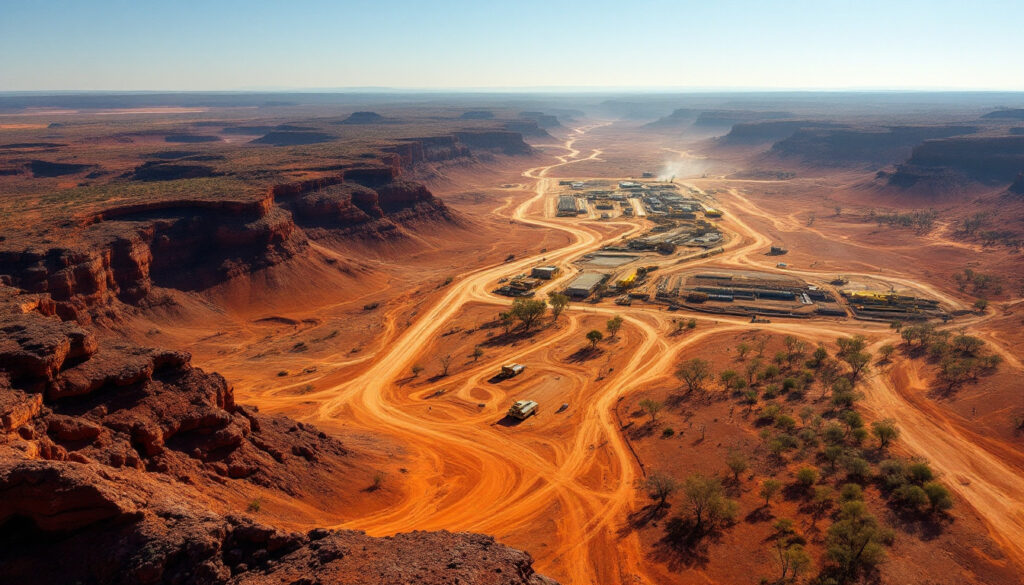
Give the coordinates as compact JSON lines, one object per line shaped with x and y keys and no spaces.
{"x":561,"y":485}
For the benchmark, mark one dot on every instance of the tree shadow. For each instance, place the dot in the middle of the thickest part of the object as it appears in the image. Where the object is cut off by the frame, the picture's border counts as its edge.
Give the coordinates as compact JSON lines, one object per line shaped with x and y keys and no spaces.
{"x":760,"y":514}
{"x":644,"y":516}
{"x":684,"y":545}
{"x":585,"y":354}
{"x":641,"y":431}
{"x":922,"y":524}
{"x":512,"y":337}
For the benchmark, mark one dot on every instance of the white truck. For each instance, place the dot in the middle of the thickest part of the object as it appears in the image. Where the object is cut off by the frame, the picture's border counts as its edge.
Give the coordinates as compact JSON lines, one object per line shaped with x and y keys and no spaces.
{"x":511,"y":370}
{"x":521,"y":409}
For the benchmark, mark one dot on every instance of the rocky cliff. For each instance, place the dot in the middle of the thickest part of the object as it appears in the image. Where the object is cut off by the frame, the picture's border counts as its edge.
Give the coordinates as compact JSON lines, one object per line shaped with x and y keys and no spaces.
{"x":501,"y":141}
{"x":859,"y":146}
{"x":123,"y":252}
{"x":997,"y":159}
{"x":1017,"y":188}
{"x":112,"y":456}
{"x":749,"y":133}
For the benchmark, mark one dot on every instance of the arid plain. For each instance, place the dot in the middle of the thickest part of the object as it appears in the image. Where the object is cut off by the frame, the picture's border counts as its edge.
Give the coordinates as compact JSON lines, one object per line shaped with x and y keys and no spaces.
{"x":345,"y":268}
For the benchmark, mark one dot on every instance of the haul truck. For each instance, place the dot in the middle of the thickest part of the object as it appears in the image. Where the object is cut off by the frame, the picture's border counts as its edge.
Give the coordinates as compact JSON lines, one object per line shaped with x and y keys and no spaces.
{"x":510,"y":370}
{"x":521,"y":409}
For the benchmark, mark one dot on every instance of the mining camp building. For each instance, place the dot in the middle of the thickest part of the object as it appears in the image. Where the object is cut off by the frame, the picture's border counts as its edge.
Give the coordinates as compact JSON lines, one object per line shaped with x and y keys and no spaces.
{"x":585,"y":284}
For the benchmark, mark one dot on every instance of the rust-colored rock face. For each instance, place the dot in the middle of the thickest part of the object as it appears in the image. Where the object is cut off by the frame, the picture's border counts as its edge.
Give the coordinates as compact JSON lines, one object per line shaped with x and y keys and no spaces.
{"x":109,"y":451}
{"x":124,"y":252}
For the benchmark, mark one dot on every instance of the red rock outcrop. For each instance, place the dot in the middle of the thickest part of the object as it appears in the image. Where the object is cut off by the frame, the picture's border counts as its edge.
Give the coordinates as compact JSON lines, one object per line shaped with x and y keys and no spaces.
{"x":496,"y":140}
{"x":123,"y":252}
{"x":109,"y":454}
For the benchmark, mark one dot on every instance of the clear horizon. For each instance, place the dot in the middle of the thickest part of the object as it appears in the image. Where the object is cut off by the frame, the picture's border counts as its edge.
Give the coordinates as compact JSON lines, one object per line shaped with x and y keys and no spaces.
{"x":655,"y":45}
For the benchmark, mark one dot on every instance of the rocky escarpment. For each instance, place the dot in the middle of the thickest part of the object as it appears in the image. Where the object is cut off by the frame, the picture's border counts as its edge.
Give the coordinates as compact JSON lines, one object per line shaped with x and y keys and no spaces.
{"x":112,"y":457}
{"x":414,"y":151}
{"x":529,"y":128}
{"x":68,"y":396}
{"x":545,"y":121}
{"x":494,"y":140}
{"x":729,"y":118}
{"x":123,"y":252}
{"x":859,"y":146}
{"x":748,"y":133}
{"x":714,"y":119}
{"x":994,"y":159}
{"x":1017,"y":188}
{"x":363,"y":118}
{"x":1005,"y":114}
{"x":408,"y":153}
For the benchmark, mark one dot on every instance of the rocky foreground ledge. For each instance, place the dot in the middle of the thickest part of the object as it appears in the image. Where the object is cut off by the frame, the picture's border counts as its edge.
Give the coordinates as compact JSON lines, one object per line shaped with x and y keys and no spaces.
{"x":114,"y":459}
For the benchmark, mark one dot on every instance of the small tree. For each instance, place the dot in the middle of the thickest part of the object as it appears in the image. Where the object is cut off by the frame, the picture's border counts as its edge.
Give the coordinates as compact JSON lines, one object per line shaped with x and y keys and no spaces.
{"x":558,"y":302}
{"x":417,"y":369}
{"x":737,"y":463}
{"x":938,"y":496}
{"x":806,"y":477}
{"x":691,"y":324}
{"x":743,"y":349}
{"x":660,"y":486}
{"x":792,"y":558}
{"x":477,"y":353}
{"x":528,"y":311}
{"x":613,"y":325}
{"x":886,"y":351}
{"x":858,"y":363}
{"x":446,"y":362}
{"x":508,"y":321}
{"x":594,"y":337}
{"x":822,"y":499}
{"x":854,"y":542}
{"x":708,"y":504}
{"x":694,"y":372}
{"x":981,"y":305}
{"x":885,"y":431}
{"x":651,"y":407}
{"x":769,"y":488}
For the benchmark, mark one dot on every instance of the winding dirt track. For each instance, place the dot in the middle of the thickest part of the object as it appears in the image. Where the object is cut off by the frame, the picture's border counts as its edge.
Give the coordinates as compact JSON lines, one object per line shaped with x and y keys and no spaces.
{"x":576,"y":487}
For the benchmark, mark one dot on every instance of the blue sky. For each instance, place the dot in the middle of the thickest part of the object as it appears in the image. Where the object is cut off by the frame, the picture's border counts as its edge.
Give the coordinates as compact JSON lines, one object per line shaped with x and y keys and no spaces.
{"x":741,"y":44}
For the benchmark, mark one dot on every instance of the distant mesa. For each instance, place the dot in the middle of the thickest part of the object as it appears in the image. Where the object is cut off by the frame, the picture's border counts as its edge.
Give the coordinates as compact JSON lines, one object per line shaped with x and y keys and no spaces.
{"x":545,"y":121}
{"x":477,"y":115}
{"x":172,"y":154}
{"x":503,"y":141}
{"x":278,"y":138}
{"x":258,"y":130}
{"x":627,"y":110}
{"x":987,"y":159}
{"x":679,"y":117}
{"x":1017,"y":188}
{"x":527,"y":128}
{"x":770,"y":131}
{"x":190,"y":138}
{"x":720,"y":118}
{"x":1018,"y":131}
{"x":22,"y":145}
{"x":46,"y":169}
{"x":184,"y":155}
{"x":161,"y":171}
{"x":363,"y":118}
{"x":1006,"y":114}
{"x":836,"y":147}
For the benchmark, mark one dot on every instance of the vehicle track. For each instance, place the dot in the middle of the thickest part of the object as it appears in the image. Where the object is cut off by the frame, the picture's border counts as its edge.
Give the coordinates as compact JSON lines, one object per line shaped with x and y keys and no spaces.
{"x":465,"y":473}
